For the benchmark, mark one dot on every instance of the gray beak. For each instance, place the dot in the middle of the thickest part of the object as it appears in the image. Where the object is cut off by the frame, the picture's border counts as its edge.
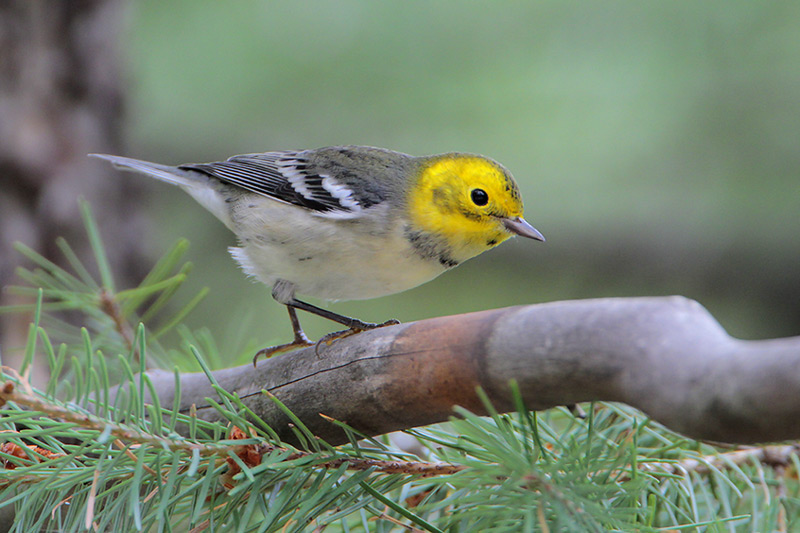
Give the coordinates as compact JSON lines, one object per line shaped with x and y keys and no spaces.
{"x":518,"y":226}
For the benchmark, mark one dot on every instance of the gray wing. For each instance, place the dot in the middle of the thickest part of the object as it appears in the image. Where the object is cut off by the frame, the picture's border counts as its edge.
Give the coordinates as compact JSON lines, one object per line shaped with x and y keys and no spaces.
{"x":286,"y":176}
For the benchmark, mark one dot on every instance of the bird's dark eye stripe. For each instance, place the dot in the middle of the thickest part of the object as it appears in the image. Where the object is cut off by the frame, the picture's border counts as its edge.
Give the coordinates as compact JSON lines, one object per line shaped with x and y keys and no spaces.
{"x":479,"y":197}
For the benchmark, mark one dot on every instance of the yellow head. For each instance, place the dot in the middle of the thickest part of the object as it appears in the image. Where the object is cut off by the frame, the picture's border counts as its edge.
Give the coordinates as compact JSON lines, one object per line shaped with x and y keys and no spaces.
{"x":469,"y":202}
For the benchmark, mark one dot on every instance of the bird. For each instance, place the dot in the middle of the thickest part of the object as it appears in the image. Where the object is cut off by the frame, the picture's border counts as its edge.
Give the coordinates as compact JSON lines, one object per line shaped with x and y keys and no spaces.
{"x":349,"y":222}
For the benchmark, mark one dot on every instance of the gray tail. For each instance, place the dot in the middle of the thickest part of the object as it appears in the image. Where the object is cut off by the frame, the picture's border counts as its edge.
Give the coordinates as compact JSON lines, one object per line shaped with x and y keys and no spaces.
{"x":173,"y":175}
{"x":198,"y":185}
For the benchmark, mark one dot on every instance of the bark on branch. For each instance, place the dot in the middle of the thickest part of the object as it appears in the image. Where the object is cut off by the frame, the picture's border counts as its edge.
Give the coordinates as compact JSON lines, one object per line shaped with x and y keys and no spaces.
{"x":665,"y":356}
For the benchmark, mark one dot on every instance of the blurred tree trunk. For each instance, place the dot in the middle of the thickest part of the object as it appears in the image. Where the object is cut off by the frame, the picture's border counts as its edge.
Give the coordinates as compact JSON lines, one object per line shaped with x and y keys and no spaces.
{"x":61,"y":97}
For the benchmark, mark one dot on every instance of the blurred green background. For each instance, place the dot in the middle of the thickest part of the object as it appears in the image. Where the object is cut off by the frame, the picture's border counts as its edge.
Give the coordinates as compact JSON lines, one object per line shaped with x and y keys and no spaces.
{"x":657,"y":144}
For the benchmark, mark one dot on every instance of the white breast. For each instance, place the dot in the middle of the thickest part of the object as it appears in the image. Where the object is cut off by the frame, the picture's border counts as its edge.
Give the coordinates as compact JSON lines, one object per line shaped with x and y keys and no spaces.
{"x":328,"y":258}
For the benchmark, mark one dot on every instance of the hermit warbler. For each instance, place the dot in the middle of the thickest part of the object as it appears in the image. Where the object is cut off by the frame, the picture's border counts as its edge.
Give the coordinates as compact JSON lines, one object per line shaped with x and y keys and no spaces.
{"x":350,"y":222}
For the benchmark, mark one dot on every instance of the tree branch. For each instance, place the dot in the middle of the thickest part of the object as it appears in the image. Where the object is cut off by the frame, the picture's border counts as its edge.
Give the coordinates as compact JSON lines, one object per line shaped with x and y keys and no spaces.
{"x":665,"y":356}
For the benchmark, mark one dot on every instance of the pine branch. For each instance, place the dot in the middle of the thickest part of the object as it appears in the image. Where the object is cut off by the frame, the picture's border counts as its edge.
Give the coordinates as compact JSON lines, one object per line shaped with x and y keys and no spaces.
{"x":30,"y":467}
{"x":414,"y":468}
{"x":665,"y":356}
{"x":127,"y":435}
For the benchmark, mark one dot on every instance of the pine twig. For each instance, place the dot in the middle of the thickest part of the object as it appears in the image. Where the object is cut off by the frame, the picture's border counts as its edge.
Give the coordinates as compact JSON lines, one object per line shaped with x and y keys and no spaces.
{"x":775,"y":456}
{"x":125,"y":433}
{"x":110,"y":307}
{"x":10,"y":393}
{"x":411,"y":468}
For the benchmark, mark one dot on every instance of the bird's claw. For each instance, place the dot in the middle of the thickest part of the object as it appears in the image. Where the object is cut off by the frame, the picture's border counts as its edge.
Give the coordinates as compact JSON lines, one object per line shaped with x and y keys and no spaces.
{"x":363,"y":326}
{"x":266,"y":353}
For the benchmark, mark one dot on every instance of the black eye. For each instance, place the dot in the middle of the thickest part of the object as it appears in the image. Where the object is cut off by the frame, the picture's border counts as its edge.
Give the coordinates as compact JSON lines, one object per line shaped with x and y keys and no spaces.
{"x":479,"y":197}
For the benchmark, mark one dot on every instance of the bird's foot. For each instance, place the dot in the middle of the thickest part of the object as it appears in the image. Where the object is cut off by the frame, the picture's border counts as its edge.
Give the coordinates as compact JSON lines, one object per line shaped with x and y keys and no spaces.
{"x":356,"y":328}
{"x":302,"y":342}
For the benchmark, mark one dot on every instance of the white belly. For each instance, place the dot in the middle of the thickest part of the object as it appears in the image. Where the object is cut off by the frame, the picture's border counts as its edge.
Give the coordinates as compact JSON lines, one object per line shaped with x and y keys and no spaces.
{"x":327,"y":258}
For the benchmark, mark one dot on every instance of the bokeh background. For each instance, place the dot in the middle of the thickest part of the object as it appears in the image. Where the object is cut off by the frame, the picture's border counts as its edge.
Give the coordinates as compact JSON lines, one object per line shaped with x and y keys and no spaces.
{"x":657,"y":144}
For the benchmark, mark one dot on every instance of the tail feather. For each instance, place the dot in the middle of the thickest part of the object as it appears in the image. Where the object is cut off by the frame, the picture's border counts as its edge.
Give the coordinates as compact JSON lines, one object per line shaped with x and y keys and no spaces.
{"x":173,"y":175}
{"x":205,"y":190}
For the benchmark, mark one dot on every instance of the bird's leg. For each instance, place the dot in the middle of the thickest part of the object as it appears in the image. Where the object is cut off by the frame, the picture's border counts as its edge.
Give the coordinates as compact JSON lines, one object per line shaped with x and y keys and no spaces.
{"x":283,"y":292}
{"x":300,"y":339}
{"x":354,"y":325}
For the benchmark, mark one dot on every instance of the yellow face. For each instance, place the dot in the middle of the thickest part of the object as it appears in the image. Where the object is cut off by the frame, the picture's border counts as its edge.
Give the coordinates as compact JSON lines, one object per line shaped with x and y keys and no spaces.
{"x":464,"y":199}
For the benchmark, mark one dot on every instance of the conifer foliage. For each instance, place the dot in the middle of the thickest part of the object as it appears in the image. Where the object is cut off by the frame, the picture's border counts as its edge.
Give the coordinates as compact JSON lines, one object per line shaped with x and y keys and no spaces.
{"x":74,"y":456}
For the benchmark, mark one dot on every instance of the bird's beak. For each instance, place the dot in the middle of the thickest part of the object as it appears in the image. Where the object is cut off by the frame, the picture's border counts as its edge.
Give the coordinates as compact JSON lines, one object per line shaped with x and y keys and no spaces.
{"x":518,"y":226}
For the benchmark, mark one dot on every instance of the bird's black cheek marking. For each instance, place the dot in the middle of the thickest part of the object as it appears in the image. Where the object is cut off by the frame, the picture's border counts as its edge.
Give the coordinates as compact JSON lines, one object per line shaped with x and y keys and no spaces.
{"x":430,"y":248}
{"x":414,"y":237}
{"x":447,"y":262}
